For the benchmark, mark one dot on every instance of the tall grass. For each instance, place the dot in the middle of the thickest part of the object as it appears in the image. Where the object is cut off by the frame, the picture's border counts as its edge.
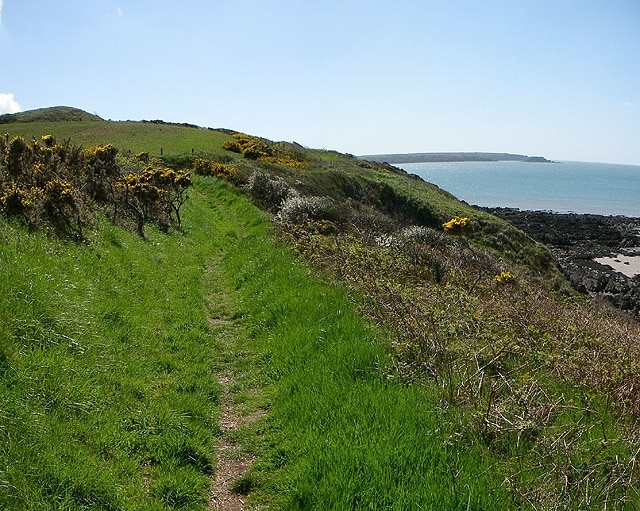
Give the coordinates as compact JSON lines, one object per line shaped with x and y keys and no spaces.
{"x":471,"y":385}
{"x":544,"y":382}
{"x":342,"y":434}
{"x":109,"y":396}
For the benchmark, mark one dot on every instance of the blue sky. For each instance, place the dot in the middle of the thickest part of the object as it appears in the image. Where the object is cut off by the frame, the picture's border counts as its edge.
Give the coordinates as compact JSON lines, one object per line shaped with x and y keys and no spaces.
{"x":557,"y":78}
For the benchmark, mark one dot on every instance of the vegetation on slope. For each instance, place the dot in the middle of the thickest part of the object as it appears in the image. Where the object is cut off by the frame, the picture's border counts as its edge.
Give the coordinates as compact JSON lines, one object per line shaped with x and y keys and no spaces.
{"x":61,"y":186}
{"x":480,"y":380}
{"x":52,"y":114}
{"x":109,"y":370}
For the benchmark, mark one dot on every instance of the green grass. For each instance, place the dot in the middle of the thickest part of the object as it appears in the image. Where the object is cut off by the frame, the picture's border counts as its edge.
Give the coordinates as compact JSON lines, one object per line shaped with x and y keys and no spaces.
{"x":340,"y":433}
{"x":126,"y":135}
{"x":109,"y":395}
{"x":465,"y":394}
{"x":109,"y":377}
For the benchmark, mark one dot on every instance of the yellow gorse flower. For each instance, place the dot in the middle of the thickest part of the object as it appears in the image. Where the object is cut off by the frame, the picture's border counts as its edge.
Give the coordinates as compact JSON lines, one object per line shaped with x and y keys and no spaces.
{"x":504,"y":277}
{"x":457,"y":223}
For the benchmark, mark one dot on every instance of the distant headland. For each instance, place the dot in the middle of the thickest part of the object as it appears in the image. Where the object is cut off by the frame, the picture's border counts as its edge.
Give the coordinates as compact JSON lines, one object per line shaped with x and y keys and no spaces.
{"x":452,"y":157}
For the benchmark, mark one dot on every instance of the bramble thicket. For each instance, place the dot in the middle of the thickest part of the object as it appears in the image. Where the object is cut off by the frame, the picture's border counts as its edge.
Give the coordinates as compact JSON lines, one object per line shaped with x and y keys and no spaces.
{"x":61,"y":187}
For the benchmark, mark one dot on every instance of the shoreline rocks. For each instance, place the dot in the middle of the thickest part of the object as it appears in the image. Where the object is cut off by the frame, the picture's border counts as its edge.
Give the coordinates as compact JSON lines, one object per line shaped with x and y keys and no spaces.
{"x":577,"y":240}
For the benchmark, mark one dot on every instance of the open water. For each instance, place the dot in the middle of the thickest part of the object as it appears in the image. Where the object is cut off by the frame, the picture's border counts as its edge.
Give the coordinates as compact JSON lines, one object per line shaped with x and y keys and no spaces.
{"x":562,"y":187}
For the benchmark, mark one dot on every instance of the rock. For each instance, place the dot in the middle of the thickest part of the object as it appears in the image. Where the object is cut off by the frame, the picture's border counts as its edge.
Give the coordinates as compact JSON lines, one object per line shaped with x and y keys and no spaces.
{"x":576,"y":240}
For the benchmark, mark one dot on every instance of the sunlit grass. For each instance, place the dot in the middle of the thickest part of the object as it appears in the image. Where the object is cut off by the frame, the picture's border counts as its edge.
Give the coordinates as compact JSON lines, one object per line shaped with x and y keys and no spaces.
{"x":109,"y":398}
{"x":340,"y":433}
{"x":477,"y":380}
{"x":128,"y":136}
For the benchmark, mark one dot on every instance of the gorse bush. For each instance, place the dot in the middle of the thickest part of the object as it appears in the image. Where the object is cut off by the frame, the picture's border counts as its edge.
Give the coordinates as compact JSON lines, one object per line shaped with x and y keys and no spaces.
{"x":254,"y":148}
{"x":207,"y":167}
{"x":42,"y":183}
{"x":60,"y":186}
{"x":456,"y":224}
{"x":154,"y":194}
{"x":505,"y":277}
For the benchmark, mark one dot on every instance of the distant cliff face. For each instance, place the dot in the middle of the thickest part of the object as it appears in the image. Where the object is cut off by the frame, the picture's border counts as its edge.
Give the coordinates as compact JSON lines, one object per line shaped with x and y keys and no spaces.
{"x":452,"y":157}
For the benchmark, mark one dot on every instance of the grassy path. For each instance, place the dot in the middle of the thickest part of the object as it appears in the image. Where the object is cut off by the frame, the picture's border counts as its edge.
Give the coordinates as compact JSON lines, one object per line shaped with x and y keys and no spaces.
{"x":126,"y":364}
{"x":340,"y":433}
{"x":108,"y":366}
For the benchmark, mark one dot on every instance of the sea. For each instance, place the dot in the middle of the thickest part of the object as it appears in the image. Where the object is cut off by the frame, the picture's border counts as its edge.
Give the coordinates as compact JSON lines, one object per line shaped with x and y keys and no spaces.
{"x":561,"y":187}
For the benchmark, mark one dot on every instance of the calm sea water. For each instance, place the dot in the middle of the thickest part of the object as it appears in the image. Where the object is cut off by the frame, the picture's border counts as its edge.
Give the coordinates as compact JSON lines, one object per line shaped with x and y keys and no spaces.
{"x":563,"y":187}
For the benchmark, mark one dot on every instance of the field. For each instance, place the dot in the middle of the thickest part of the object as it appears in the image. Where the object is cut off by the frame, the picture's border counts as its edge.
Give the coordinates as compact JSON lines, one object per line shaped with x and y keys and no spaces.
{"x":134,"y":137}
{"x":110,"y":359}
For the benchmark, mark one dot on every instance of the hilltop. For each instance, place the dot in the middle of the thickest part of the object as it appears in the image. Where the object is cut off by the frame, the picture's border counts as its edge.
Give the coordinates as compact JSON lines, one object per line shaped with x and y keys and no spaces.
{"x":192,"y":317}
{"x":50,"y":114}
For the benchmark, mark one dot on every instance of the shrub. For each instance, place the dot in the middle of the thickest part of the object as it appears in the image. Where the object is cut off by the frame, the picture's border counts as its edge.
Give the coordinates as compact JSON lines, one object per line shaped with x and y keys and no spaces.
{"x":143,"y":157}
{"x":297,"y":209}
{"x":423,"y":235}
{"x":505,"y":277}
{"x":206,"y":167}
{"x":254,"y":148}
{"x":456,"y":224}
{"x":368,"y":219}
{"x":19,"y":202}
{"x":101,"y":170}
{"x":48,"y":140}
{"x":270,"y":191}
{"x":233,"y":146}
{"x":61,"y":186}
{"x":18,"y":156}
{"x":155,"y":194}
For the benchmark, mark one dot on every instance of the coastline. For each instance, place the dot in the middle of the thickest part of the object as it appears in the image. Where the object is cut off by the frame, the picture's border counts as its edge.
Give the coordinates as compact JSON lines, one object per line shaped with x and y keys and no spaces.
{"x":600,"y":255}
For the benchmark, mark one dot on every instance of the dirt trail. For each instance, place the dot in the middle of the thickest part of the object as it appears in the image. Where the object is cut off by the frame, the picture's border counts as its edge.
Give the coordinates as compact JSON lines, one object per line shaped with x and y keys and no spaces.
{"x":231,"y":464}
{"x":231,"y":461}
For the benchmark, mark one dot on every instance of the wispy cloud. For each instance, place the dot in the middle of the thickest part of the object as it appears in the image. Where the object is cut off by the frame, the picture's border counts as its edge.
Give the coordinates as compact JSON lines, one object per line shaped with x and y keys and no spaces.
{"x":1,"y":12}
{"x":120,"y":11}
{"x":8,"y":103}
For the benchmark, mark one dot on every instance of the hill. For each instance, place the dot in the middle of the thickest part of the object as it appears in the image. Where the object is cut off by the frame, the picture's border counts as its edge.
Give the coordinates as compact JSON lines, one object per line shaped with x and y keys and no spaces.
{"x":158,"y":138}
{"x":452,"y":157}
{"x":356,"y":336}
{"x":51,"y":114}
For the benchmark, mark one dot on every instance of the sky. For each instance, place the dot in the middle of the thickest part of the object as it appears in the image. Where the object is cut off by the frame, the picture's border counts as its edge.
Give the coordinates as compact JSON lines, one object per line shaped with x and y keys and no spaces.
{"x":555,"y":78}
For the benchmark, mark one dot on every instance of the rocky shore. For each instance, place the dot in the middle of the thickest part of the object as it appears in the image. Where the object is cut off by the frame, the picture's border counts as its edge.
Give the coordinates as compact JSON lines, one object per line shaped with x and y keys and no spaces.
{"x":600,"y":255}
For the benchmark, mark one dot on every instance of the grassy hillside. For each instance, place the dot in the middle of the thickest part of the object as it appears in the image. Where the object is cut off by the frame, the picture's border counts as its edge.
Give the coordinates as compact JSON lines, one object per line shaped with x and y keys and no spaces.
{"x":52,"y":114}
{"x":110,"y":358}
{"x":388,"y":346}
{"x":134,"y":137}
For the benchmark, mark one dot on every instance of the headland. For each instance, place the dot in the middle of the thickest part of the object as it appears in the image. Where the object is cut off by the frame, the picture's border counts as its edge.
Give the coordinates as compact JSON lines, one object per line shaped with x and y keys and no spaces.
{"x":452,"y":157}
